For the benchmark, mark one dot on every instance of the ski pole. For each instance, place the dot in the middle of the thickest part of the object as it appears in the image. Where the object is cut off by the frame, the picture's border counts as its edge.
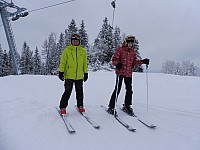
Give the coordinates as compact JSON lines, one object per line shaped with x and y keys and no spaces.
{"x":116,"y":95}
{"x":147,"y":88}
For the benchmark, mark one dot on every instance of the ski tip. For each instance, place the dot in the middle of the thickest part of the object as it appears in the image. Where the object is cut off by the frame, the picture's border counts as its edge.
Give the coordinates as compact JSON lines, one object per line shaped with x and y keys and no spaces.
{"x":72,"y":132}
{"x":133,"y":130}
{"x":97,"y":127}
{"x":152,"y":126}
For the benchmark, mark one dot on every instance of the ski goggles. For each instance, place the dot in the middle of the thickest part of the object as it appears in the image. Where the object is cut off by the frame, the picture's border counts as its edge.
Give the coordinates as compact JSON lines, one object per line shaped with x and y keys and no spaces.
{"x":130,"y":39}
{"x":75,"y":37}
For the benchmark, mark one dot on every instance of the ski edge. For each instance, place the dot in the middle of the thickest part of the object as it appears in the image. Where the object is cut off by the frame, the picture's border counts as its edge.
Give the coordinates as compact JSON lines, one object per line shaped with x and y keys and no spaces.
{"x":68,"y":125}
{"x":92,"y":122}
{"x":152,"y":126}
{"x":123,"y":123}
{"x":147,"y":124}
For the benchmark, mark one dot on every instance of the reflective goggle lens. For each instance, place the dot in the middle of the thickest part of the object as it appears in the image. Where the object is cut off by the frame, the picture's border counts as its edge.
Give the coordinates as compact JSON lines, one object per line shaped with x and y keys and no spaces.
{"x":75,"y":37}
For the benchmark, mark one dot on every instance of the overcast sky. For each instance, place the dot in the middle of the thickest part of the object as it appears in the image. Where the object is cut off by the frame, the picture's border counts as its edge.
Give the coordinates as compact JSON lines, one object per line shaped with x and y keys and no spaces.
{"x":166,"y":29}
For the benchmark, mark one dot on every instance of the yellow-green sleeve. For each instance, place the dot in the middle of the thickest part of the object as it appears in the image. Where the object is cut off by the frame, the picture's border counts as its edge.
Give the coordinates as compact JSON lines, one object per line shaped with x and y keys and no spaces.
{"x":63,"y":61}
{"x":85,"y":67}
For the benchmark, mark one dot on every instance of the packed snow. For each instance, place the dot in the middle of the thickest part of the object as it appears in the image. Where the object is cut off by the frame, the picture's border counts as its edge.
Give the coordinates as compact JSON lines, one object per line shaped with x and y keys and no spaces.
{"x":29,"y":120}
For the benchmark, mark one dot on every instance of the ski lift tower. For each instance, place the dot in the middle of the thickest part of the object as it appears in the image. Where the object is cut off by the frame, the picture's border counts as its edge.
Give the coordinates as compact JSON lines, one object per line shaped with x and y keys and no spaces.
{"x":5,"y":15}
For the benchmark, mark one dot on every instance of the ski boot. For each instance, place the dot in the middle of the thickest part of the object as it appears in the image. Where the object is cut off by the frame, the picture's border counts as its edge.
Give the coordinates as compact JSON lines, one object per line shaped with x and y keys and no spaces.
{"x":81,"y":109}
{"x":110,"y":110}
{"x":128,"y":110}
{"x":63,"y":112}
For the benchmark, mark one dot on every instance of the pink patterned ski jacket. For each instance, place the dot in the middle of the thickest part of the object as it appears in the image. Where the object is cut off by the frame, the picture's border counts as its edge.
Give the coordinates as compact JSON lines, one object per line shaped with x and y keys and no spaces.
{"x":127,"y":56}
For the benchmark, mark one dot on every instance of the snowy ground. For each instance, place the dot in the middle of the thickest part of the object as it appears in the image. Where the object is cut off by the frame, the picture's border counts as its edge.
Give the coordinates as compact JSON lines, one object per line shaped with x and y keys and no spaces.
{"x":29,"y":121}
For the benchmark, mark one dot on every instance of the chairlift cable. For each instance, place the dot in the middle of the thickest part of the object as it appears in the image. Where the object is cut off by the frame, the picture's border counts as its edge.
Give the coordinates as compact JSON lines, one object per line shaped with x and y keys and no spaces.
{"x":50,"y":6}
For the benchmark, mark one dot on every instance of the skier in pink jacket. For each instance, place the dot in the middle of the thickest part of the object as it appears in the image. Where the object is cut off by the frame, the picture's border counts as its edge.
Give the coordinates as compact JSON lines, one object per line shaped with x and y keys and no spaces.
{"x":125,"y":59}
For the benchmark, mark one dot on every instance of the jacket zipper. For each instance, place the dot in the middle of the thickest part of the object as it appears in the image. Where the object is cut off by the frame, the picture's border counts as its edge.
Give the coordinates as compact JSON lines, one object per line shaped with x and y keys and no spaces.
{"x":126,"y":62}
{"x":76,"y":63}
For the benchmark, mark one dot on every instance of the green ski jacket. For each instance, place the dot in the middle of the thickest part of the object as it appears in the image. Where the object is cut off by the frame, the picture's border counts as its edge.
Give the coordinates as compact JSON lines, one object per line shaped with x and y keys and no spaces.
{"x":73,"y":62}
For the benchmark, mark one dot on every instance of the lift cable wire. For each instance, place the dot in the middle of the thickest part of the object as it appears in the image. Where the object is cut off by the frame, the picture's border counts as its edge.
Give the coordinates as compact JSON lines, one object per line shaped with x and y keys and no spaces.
{"x":50,"y":6}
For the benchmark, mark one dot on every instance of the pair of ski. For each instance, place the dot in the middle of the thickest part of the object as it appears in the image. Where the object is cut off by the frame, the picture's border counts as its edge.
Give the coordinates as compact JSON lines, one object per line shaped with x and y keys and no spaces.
{"x":70,"y":128}
{"x":126,"y":125}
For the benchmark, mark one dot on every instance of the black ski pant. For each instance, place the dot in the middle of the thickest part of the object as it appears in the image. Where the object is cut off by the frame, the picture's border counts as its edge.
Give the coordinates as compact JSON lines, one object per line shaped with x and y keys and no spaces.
{"x":68,"y":90}
{"x":129,"y":92}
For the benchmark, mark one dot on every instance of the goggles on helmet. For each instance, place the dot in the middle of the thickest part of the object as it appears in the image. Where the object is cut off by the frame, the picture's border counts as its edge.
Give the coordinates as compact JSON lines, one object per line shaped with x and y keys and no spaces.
{"x":75,"y":37}
{"x":130,"y":39}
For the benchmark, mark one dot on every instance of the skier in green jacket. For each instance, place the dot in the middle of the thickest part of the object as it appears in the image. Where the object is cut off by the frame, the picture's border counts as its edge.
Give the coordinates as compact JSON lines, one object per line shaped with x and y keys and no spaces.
{"x":73,"y":70}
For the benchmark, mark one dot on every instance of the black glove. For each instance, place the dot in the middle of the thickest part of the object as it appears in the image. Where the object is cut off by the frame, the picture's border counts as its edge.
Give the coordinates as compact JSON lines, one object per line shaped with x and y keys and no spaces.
{"x":85,"y":77}
{"x":145,"y":61}
{"x":61,"y":76}
{"x":119,"y":65}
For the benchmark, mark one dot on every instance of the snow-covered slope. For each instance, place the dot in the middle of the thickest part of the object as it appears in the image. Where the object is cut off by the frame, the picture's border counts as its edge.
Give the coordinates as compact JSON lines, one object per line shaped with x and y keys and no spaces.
{"x":29,"y":120}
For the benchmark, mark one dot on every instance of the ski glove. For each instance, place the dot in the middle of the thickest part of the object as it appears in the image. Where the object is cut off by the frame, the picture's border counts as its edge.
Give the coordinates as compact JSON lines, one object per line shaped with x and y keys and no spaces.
{"x":145,"y":61}
{"x":61,"y":76}
{"x":119,"y":65}
{"x":85,"y":77}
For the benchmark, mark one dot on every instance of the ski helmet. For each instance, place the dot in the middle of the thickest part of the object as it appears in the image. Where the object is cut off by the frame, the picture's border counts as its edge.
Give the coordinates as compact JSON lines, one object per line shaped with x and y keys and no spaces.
{"x":130,"y":39}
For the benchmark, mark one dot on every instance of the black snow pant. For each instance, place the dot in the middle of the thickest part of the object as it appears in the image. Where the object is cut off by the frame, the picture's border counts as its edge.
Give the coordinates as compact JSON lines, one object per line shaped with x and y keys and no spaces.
{"x":129,"y":92}
{"x":68,"y":90}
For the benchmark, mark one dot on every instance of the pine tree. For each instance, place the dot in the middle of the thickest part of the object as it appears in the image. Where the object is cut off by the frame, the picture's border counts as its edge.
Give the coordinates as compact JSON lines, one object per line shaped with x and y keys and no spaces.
{"x":43,"y":70}
{"x":49,"y":53}
{"x":37,"y":62}
{"x":10,"y":62}
{"x":60,"y":47}
{"x":53,"y":53}
{"x":6,"y":64}
{"x":26,"y":61}
{"x":93,"y":53}
{"x":105,"y":43}
{"x":84,"y":36}
{"x":117,"y":41}
{"x":45,"y":54}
